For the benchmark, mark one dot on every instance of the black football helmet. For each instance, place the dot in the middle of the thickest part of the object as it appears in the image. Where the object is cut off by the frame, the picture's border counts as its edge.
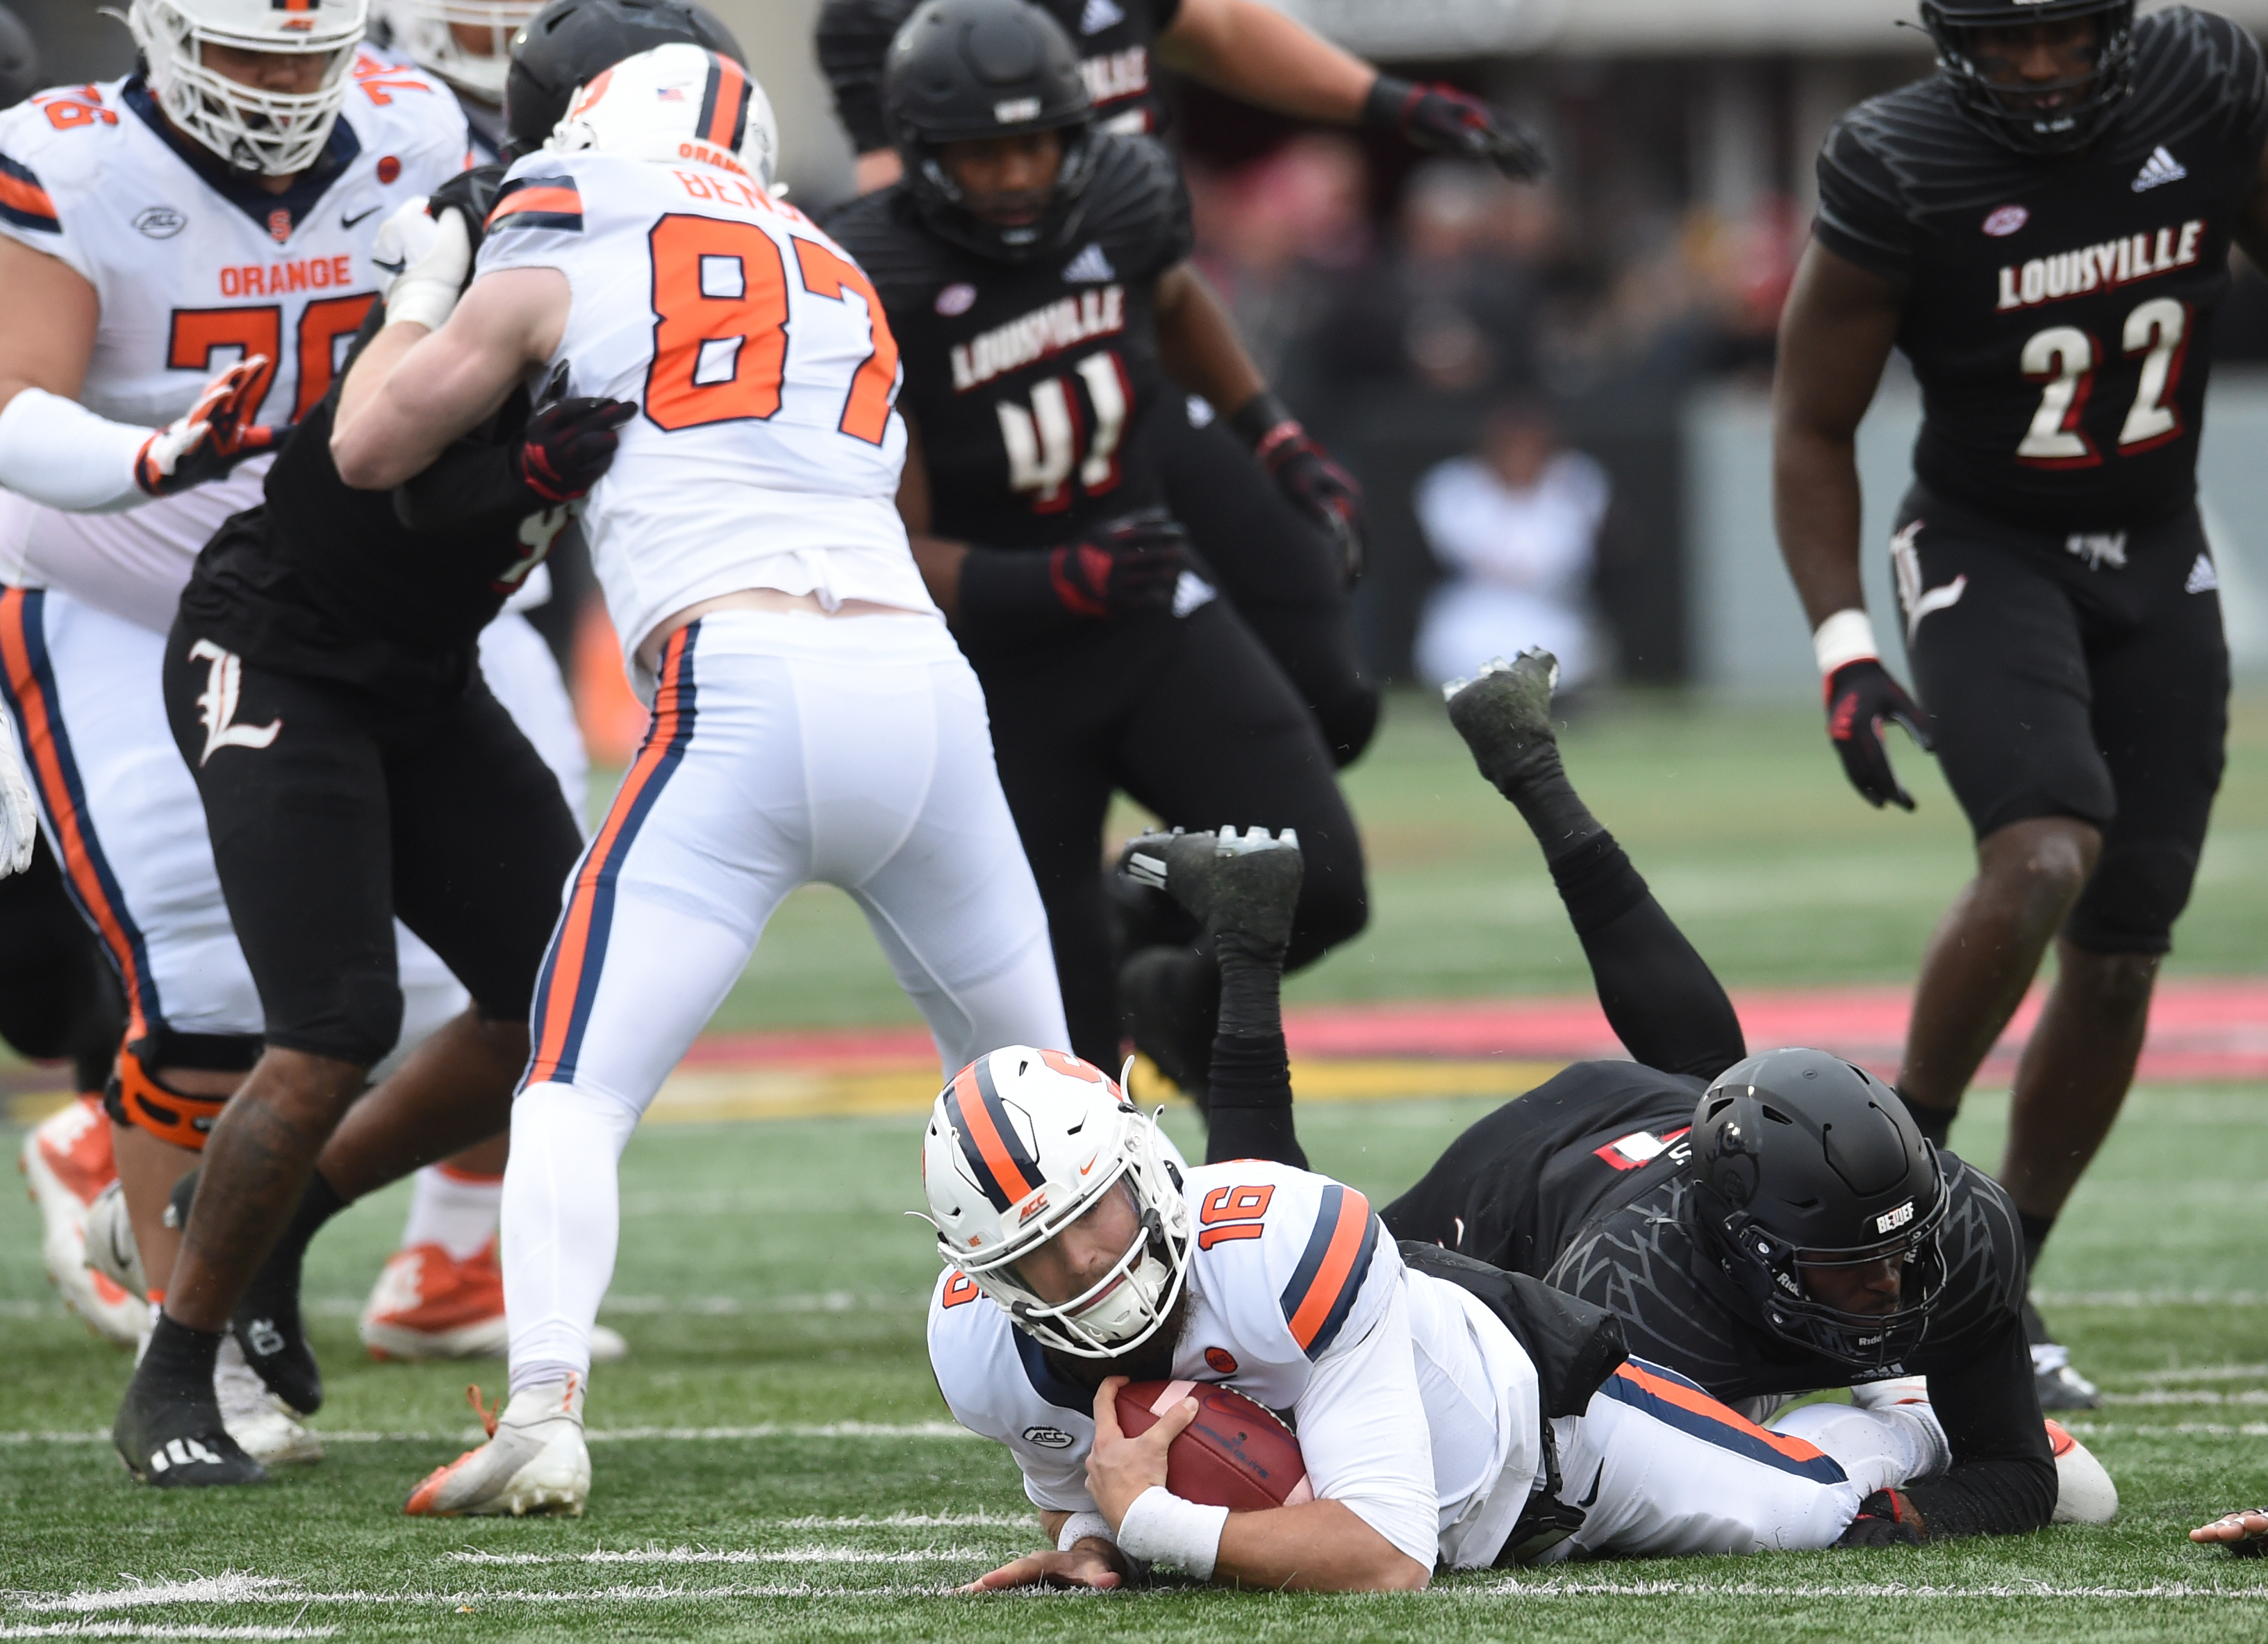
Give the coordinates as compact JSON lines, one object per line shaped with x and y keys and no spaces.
{"x":19,"y":60}
{"x":570,"y":41}
{"x":960,"y":69}
{"x":1802,"y":1160}
{"x":2010,"y":115}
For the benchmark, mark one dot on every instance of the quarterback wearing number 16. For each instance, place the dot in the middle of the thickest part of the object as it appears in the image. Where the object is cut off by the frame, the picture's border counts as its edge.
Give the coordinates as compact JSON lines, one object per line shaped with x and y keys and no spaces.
{"x":812,"y":719}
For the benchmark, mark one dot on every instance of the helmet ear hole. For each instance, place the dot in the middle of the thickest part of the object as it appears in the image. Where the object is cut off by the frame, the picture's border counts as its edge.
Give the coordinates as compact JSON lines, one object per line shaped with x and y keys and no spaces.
{"x":1776,"y":1116}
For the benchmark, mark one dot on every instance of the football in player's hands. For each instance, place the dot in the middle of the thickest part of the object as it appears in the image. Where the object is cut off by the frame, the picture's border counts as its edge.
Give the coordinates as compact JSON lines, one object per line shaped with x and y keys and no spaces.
{"x":1861,"y":699}
{"x":567,"y":448}
{"x":1234,"y":1454}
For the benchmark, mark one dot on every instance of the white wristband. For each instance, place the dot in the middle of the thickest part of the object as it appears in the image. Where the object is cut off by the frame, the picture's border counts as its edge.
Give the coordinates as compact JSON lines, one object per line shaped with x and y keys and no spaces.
{"x":1847,"y":637}
{"x":1078,"y":1527}
{"x":1160,"y":1528}
{"x":57,"y":452}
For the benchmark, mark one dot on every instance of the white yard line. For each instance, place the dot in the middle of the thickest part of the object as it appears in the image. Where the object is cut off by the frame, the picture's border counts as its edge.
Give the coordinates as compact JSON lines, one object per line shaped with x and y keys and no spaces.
{"x":596,"y":1436}
{"x":1513,"y":1588}
{"x":735,"y":1555}
{"x":155,"y":1630}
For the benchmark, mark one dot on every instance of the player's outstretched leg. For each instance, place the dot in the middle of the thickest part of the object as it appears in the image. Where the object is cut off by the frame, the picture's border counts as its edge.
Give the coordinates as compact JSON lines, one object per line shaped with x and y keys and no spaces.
{"x":536,"y":1461}
{"x":1244,"y":889}
{"x":1664,"y":1003}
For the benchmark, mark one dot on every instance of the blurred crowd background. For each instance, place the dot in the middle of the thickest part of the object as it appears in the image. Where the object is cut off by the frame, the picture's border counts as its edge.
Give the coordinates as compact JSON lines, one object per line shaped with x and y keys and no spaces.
{"x":1550,"y":393}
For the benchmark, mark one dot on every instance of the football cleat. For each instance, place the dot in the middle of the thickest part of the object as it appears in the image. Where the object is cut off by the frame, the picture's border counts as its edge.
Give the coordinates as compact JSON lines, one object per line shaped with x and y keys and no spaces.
{"x":429,"y":1305}
{"x":2061,"y":1387}
{"x":2085,"y":1493}
{"x":179,"y":1442}
{"x":536,"y":1461}
{"x":1503,"y":713}
{"x":67,"y":1163}
{"x":112,"y":1250}
{"x":1246,"y":885}
{"x":255,"y":1417}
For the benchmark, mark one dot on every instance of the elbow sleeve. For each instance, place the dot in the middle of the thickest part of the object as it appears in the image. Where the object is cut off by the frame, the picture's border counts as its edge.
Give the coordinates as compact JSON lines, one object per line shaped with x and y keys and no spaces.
{"x":58,"y":453}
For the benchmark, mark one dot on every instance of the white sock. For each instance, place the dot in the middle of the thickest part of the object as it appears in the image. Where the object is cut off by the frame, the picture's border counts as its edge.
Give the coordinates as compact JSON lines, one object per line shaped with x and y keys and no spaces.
{"x":561,"y":1222}
{"x":452,"y":1209}
{"x":1877,"y":1449}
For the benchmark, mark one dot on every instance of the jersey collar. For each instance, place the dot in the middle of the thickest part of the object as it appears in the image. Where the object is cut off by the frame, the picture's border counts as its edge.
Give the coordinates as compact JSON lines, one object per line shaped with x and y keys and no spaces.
{"x":271,"y":211}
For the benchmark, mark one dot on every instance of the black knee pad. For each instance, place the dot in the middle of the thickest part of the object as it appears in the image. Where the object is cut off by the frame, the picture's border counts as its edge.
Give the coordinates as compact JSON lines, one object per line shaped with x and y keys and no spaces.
{"x":2130,"y":906}
{"x":355,"y":1017}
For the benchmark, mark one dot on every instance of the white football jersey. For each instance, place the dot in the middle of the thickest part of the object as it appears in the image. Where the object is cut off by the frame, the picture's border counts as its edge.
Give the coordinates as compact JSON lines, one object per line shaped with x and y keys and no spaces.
{"x":195,"y":269}
{"x":1413,"y":1404}
{"x":767,"y":447}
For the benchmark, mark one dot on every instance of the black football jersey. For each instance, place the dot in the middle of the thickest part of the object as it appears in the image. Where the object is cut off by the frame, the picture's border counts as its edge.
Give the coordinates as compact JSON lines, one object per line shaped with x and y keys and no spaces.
{"x":1032,"y":383}
{"x":2059,"y":308}
{"x":1113,"y":37}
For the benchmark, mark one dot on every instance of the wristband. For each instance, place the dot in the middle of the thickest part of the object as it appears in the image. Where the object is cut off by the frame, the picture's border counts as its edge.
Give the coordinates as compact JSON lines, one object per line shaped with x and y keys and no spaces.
{"x":1388,"y":96}
{"x":58,"y":453}
{"x":1160,"y":1528}
{"x":1262,"y":422}
{"x":1846,"y":637}
{"x":1080,"y":1526}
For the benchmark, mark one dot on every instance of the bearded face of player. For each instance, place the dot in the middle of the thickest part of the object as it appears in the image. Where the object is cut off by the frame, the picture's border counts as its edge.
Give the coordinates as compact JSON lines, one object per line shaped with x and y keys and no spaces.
{"x":1006,"y":181}
{"x":1077,"y":1259}
{"x":2042,"y":69}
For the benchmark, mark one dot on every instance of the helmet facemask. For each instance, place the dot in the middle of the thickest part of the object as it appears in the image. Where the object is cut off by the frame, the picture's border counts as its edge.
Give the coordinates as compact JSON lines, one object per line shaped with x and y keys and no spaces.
{"x":945,"y":205}
{"x":2012,"y":113}
{"x":428,"y":30}
{"x":1773,"y":1273}
{"x":269,"y":134}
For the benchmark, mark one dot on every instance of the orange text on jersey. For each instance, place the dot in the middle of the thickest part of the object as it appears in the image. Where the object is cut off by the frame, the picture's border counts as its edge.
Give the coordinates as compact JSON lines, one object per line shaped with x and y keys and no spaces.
{"x":727,"y":190}
{"x":276,"y":279}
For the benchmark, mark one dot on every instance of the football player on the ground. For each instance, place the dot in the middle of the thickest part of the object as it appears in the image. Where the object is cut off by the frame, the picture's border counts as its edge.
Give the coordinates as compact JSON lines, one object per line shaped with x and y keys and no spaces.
{"x":1767,"y":1225}
{"x":1446,"y":1413}
{"x":812,"y":720}
{"x":2044,"y":227}
{"x":1288,"y":580}
{"x":1035,"y":271}
{"x":254,"y":199}
{"x":2244,"y":1532}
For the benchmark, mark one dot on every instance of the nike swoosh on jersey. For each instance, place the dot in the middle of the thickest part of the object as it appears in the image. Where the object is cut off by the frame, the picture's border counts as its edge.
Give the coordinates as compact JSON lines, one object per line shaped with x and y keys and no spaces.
{"x":349,"y":222}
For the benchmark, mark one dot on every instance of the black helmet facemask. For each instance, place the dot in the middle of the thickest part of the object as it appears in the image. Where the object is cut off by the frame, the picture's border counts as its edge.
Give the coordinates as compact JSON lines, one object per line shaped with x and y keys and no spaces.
{"x":2012,"y":114}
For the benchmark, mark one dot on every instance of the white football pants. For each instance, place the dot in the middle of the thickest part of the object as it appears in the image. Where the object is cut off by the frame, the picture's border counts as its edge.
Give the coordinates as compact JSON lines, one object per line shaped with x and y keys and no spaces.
{"x":784,"y":749}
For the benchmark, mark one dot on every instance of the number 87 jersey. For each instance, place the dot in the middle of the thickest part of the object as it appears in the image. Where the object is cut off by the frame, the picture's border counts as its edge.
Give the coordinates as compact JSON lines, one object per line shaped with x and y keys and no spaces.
{"x":767,"y":448}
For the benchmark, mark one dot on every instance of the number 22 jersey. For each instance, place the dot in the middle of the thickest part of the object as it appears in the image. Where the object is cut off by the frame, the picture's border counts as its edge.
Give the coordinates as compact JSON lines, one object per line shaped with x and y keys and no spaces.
{"x":766,"y":449}
{"x":2058,"y":308}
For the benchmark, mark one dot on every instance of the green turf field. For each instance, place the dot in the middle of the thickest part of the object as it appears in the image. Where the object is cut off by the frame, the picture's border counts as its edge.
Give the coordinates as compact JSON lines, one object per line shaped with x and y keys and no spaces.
{"x":773,"y":1462}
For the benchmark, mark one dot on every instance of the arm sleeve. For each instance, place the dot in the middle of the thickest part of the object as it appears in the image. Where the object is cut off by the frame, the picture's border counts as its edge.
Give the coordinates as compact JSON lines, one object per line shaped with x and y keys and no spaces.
{"x":1363,"y":1432}
{"x":2003,"y":1478}
{"x":57,"y":452}
{"x":853,"y":38}
{"x":1861,"y":217}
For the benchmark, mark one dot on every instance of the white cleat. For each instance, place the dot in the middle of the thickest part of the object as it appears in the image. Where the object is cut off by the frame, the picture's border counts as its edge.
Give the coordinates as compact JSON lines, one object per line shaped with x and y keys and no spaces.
{"x":2085,"y":1493}
{"x":112,"y":1250}
{"x":255,"y":1417}
{"x":536,"y":1461}
{"x":66,"y":1163}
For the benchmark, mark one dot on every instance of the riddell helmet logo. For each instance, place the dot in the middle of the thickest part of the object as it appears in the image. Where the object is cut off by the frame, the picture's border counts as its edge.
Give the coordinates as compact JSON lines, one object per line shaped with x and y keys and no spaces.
{"x":1892,"y":1220}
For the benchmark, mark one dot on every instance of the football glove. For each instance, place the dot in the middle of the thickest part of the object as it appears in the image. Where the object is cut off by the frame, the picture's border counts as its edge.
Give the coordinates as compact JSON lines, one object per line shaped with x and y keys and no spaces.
{"x":1310,"y":480}
{"x":212,"y":436}
{"x":431,"y":256}
{"x":1449,"y":122}
{"x":567,"y":447}
{"x":1886,"y":1519}
{"x":1129,"y":568}
{"x":1861,"y":697}
{"x":19,"y":824}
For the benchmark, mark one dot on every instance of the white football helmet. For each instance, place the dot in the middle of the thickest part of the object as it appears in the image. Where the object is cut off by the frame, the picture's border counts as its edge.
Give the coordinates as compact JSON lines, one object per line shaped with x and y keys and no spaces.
{"x":272,"y":133}
{"x":427,"y":30}
{"x":1023,"y":1143}
{"x":675,"y":103}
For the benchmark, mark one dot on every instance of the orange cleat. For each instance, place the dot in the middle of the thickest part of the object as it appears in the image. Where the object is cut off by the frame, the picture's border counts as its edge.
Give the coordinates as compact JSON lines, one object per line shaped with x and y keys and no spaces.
{"x":427,"y":1304}
{"x":67,"y":1162}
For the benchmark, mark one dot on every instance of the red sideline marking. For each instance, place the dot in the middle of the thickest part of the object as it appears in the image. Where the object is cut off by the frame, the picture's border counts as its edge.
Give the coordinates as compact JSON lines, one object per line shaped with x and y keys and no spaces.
{"x":2200,"y":1031}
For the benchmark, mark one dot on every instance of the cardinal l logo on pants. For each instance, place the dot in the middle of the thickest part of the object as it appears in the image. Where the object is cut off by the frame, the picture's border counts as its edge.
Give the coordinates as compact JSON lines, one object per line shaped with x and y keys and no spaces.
{"x":217,"y":703}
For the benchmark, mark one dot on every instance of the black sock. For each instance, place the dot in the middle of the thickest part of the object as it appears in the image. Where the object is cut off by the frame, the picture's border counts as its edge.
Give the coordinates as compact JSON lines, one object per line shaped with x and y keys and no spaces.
{"x":179,"y":1362}
{"x":1251,"y":987}
{"x":1936,"y":1123}
{"x":1549,"y":803}
{"x":1251,"y":1105}
{"x":1596,"y":882}
{"x":317,"y":1206}
{"x":2036,"y":1229}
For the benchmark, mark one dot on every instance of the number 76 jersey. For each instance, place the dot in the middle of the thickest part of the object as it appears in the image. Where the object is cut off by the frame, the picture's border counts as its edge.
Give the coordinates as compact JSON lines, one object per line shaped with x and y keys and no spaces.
{"x":767,"y":447}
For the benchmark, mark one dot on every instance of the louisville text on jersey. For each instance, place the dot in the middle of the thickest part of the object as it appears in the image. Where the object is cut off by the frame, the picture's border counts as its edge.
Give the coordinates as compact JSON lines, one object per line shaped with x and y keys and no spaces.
{"x":2100,"y":267}
{"x":1113,"y":76}
{"x":1063,"y":324}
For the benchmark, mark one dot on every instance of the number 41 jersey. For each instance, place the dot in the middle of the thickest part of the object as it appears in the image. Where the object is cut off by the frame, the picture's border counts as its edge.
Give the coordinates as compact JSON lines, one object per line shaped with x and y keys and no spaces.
{"x":2058,"y":308}
{"x":767,"y":448}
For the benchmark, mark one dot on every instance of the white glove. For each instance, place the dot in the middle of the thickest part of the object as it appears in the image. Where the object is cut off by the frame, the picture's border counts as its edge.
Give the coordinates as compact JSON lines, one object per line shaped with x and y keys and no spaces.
{"x":402,"y":238}
{"x":440,"y":261}
{"x":19,"y":823}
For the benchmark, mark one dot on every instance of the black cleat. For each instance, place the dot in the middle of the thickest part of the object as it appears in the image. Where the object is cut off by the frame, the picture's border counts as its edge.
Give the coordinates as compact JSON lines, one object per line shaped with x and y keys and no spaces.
{"x":1245,"y":886}
{"x":1503,"y":713}
{"x":267,"y":1323}
{"x":174,"y":1440}
{"x":1170,"y":998}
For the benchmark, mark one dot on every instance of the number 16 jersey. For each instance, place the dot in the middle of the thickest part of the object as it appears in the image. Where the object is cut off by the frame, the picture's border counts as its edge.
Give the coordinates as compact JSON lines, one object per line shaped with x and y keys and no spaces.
{"x":766,"y":449}
{"x":2058,"y":308}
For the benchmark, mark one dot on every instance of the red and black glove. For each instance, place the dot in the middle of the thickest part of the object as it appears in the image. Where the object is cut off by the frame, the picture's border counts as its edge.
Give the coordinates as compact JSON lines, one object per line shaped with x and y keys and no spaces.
{"x":1449,"y":122}
{"x":1129,"y":568}
{"x":213,"y":436}
{"x":1861,"y":698}
{"x":567,"y":447}
{"x":1886,"y":1519}
{"x":1311,"y":481}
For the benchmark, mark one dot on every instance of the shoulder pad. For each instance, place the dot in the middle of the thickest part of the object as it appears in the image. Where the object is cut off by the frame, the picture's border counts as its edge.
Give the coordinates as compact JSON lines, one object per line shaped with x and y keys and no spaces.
{"x":1316,"y":1243}
{"x":1136,"y":208}
{"x":882,"y":237}
{"x":399,"y":106}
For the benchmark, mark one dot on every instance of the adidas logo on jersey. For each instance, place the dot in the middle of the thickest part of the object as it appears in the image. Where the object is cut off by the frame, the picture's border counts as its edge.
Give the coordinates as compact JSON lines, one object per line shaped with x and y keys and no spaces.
{"x":2113,"y":263}
{"x":2203,"y":578}
{"x":1063,"y":323}
{"x":2161,"y":168}
{"x":1100,"y":14}
{"x":1089,"y":268}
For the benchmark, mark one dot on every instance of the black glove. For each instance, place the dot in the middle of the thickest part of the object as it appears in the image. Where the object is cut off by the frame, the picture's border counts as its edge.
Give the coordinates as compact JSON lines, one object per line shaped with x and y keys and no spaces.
{"x":1128,"y":568}
{"x":567,"y":447}
{"x":1886,"y":1519}
{"x":1449,"y":122}
{"x":472,"y":191}
{"x":1304,"y":471}
{"x":1861,"y":696}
